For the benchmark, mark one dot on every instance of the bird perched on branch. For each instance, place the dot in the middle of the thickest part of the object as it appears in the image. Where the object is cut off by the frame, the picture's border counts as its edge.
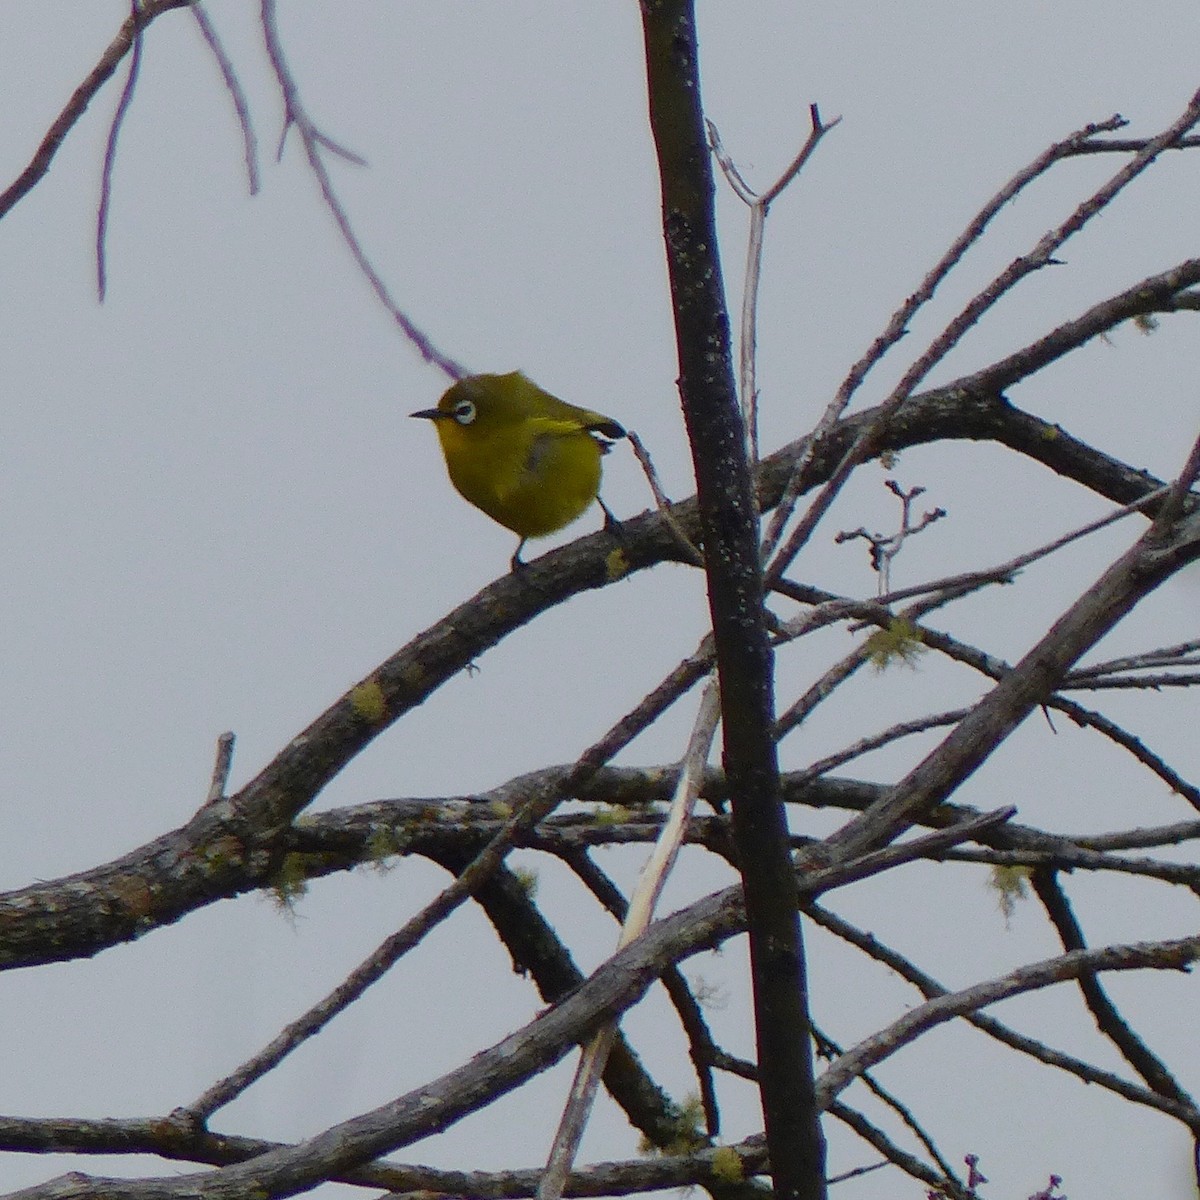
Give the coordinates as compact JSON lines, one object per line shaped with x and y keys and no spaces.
{"x":526,"y":458}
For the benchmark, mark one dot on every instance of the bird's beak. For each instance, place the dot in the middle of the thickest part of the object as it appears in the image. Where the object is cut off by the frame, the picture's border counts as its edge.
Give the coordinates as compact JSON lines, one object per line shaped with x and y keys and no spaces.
{"x":430,"y":414}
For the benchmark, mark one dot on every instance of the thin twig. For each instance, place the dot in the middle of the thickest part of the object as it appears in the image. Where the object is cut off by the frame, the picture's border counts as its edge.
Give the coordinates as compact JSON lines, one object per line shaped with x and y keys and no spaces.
{"x":110,"y":150}
{"x":885,"y":737}
{"x":928,"y":845}
{"x":641,"y":909}
{"x":314,"y":141}
{"x":661,"y":500}
{"x":1152,"y":683}
{"x":897,"y":326}
{"x":221,"y":768}
{"x":1127,"y":146}
{"x":237,"y":94}
{"x":759,"y":205}
{"x":1182,"y":654}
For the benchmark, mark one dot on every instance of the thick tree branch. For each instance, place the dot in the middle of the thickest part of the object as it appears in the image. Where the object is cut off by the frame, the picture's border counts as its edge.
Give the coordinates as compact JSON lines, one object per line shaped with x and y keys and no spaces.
{"x":236,"y":846}
{"x":171,"y":1140}
{"x":733,"y":564}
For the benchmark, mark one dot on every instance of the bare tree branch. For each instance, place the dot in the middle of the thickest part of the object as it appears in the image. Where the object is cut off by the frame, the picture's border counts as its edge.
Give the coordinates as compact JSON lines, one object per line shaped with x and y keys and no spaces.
{"x":110,"y":152}
{"x":131,"y":29}
{"x":931,"y":989}
{"x":235,"y":846}
{"x":733,"y":565}
{"x":314,"y":140}
{"x":237,"y":95}
{"x":1166,"y":955}
{"x":1153,"y":558}
{"x":1108,"y":1020}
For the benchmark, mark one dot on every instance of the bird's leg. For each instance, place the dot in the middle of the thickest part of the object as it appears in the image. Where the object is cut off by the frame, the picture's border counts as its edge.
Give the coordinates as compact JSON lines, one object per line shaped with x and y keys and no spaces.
{"x":517,"y":562}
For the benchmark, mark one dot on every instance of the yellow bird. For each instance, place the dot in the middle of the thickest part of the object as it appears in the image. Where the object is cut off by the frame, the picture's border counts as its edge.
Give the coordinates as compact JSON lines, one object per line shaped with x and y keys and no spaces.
{"x":527,"y":459}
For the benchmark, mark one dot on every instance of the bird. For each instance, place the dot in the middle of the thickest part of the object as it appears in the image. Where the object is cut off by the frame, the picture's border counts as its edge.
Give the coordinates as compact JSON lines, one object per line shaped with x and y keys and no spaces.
{"x":526,"y":458}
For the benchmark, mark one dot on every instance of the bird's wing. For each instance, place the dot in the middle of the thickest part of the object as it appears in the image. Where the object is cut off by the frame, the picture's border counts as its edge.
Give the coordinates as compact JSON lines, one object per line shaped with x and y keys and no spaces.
{"x":555,"y":426}
{"x":544,"y":431}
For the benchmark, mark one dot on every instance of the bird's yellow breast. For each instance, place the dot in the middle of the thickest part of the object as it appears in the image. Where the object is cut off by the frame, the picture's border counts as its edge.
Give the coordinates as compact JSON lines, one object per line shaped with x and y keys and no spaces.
{"x":532,"y":475}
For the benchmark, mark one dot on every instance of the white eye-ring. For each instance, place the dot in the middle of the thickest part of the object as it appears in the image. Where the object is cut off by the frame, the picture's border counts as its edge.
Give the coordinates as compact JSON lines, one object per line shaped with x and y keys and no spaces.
{"x":464,"y":412}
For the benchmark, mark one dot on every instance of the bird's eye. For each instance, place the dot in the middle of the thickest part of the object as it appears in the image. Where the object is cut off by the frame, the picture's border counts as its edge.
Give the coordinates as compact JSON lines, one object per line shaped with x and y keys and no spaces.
{"x":464,"y":412}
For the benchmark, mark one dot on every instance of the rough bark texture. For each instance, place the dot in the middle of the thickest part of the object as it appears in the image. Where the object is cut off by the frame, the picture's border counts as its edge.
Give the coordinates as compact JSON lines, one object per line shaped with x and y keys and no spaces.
{"x":729,"y":528}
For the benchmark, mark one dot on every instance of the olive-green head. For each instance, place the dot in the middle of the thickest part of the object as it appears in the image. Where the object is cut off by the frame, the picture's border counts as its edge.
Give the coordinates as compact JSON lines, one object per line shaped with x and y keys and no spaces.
{"x":486,"y":405}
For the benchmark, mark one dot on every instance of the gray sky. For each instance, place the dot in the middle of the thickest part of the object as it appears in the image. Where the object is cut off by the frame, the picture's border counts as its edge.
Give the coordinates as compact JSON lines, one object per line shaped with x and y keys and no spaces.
{"x":217,"y":514}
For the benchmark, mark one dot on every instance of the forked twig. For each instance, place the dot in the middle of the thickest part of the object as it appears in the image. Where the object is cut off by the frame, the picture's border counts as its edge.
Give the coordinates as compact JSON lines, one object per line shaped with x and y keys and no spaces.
{"x":885,"y":547}
{"x":1040,"y":256}
{"x":758,"y":205}
{"x":314,"y":141}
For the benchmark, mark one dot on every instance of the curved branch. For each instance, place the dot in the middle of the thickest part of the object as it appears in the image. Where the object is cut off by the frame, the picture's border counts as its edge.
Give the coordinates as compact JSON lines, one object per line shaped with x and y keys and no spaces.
{"x":1176,"y":954}
{"x":173,"y":1140}
{"x":110,"y":160}
{"x":233,"y":86}
{"x":131,"y":28}
{"x":236,"y":845}
{"x":314,"y":142}
{"x":931,"y":989}
{"x":1108,"y":1020}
